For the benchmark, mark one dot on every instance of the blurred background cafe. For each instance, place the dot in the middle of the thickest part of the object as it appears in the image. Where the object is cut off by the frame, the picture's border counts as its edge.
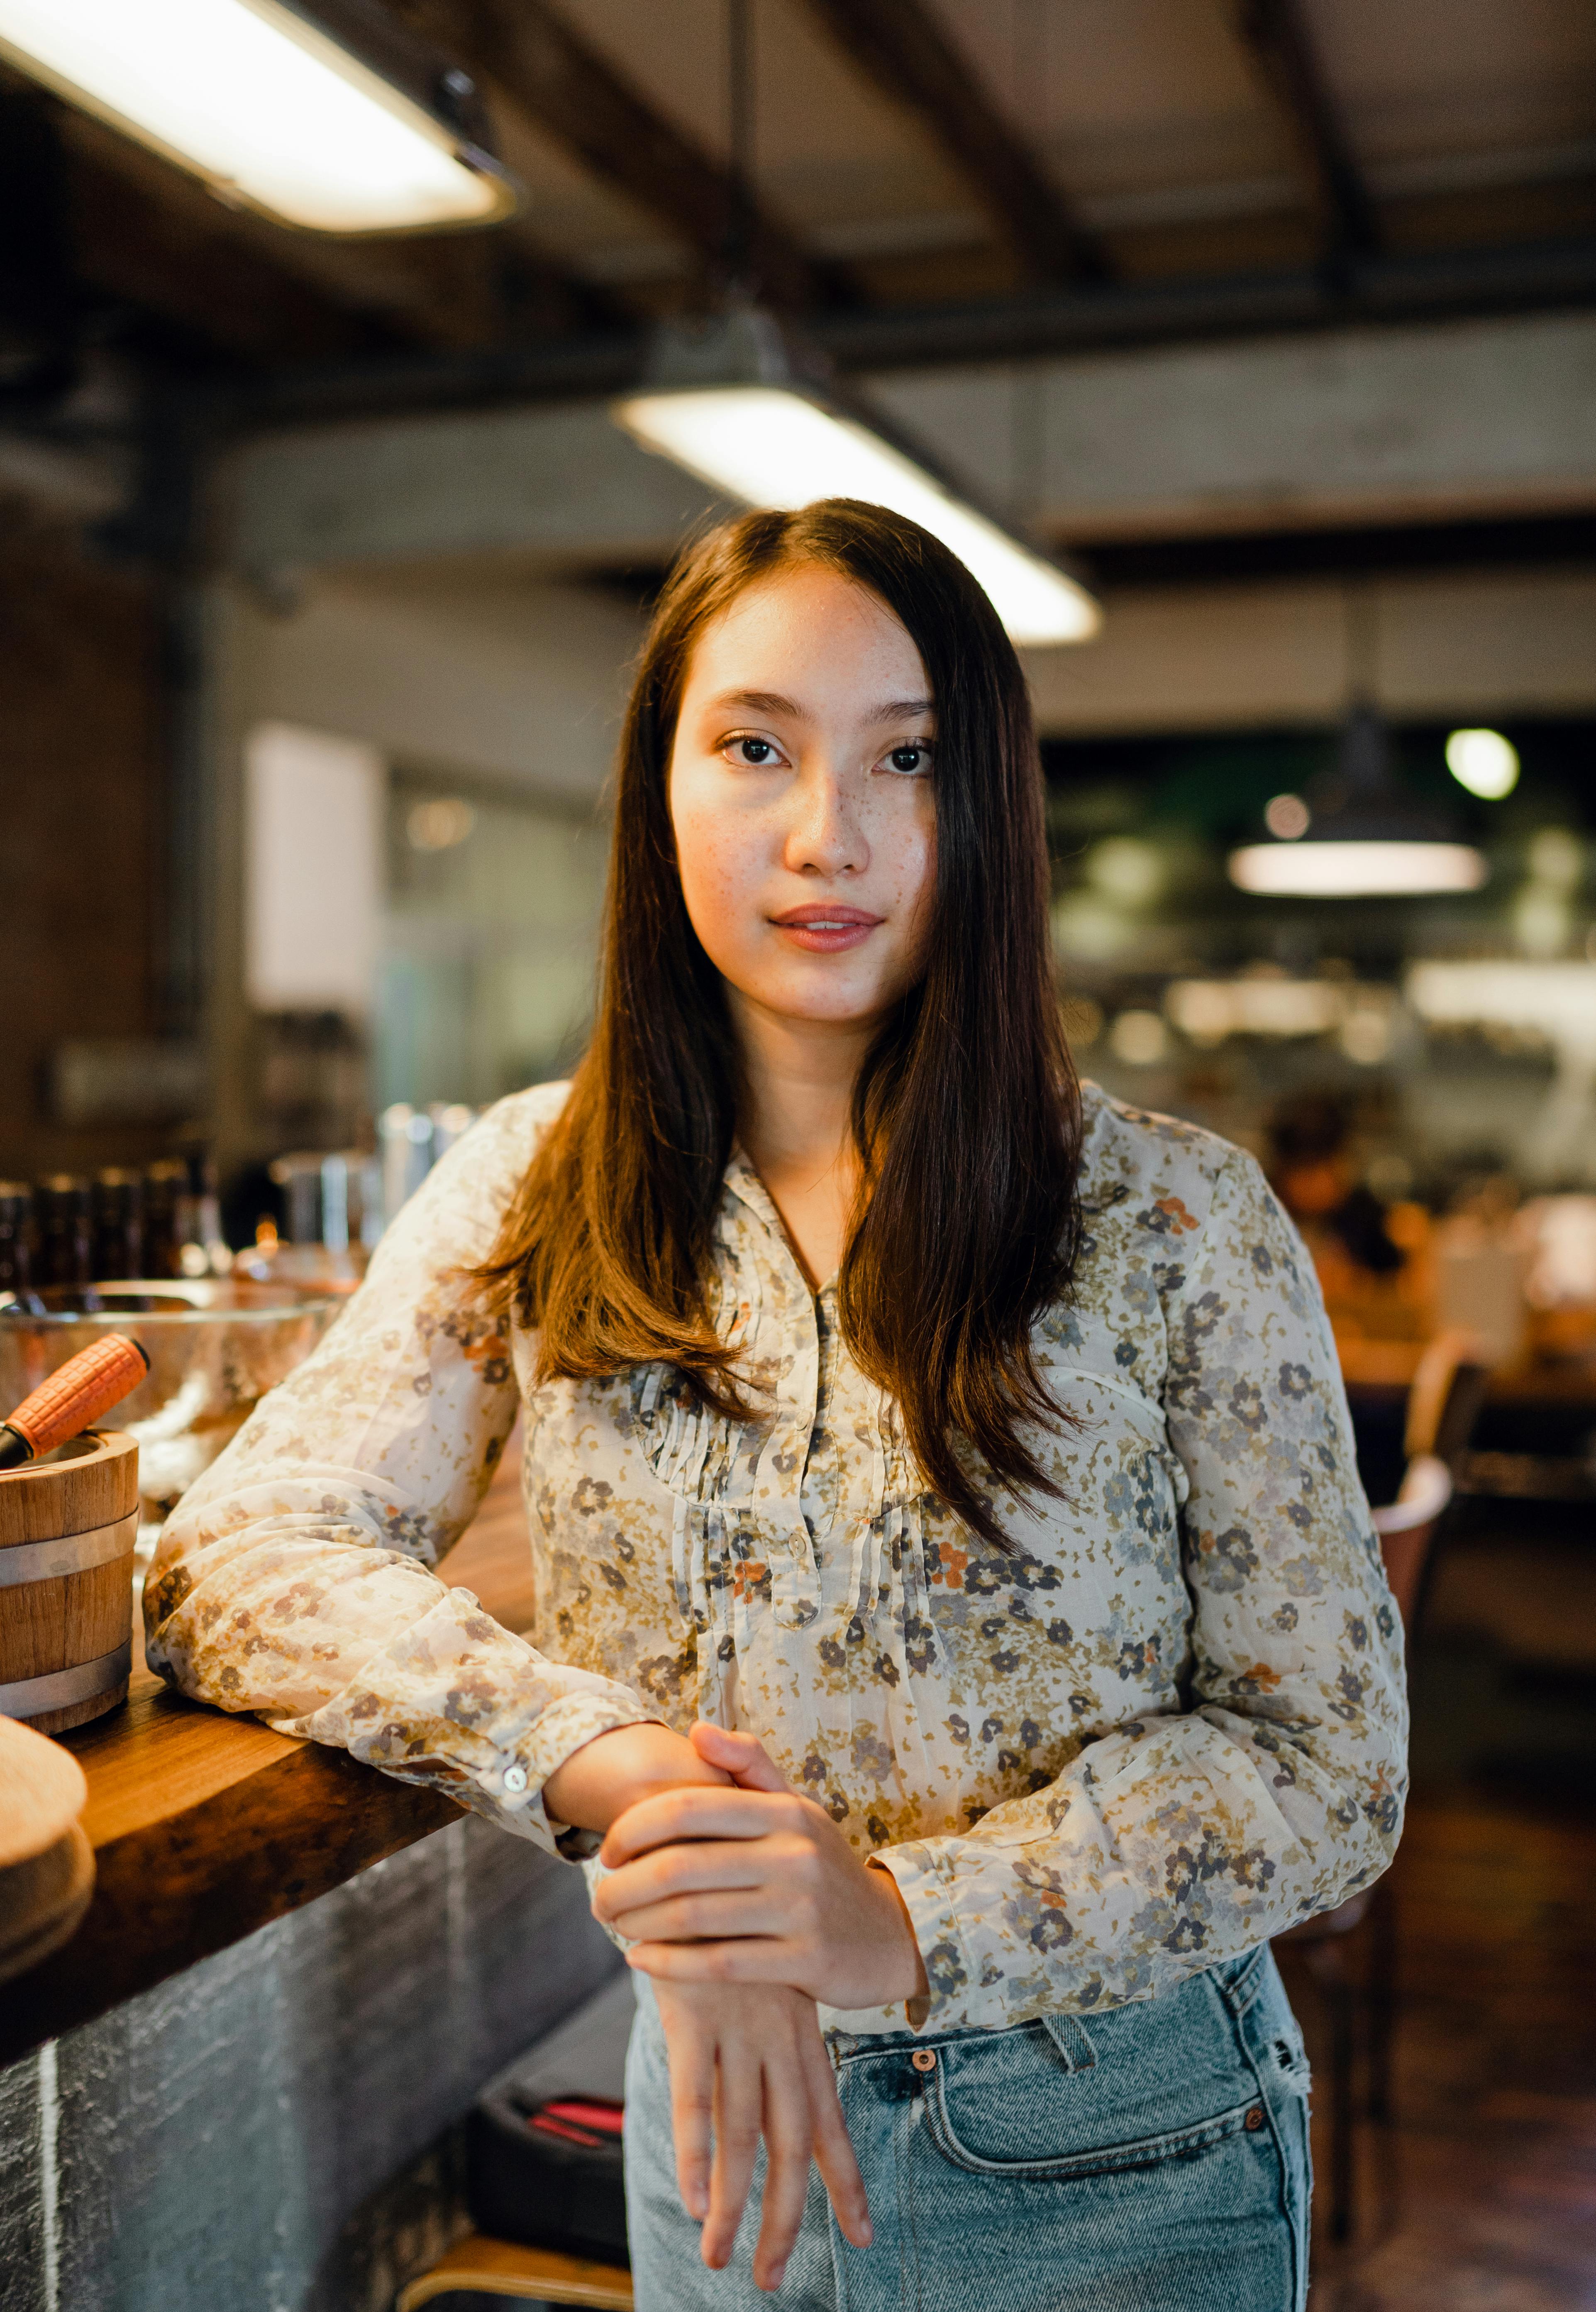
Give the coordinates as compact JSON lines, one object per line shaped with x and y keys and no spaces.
{"x":363,"y":365}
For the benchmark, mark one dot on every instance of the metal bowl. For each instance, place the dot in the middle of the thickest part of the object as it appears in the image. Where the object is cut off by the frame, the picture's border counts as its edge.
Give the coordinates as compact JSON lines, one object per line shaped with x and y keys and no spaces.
{"x":215,"y":1347}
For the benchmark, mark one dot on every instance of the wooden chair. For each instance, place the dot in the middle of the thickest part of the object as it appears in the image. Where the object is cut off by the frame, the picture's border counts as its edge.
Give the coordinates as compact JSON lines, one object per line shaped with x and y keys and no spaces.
{"x":476,"y":2266}
{"x":1444,"y":1404}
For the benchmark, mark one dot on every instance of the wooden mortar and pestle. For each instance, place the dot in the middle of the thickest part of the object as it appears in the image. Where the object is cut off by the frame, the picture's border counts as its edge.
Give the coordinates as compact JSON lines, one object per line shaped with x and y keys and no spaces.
{"x":68,"y":1522}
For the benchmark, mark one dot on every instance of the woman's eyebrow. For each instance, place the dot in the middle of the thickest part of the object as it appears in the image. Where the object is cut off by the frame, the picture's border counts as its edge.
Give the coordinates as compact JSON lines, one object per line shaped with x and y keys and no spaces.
{"x":772,"y":702}
{"x":756,"y":702}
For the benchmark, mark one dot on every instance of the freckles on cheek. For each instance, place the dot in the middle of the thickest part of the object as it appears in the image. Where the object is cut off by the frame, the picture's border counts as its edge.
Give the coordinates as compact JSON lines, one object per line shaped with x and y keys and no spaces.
{"x":909,"y":854}
{"x":712,"y":872}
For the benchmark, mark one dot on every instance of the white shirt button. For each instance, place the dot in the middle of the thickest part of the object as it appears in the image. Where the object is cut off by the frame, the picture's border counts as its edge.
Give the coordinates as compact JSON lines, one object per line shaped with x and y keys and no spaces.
{"x":515,"y":1778}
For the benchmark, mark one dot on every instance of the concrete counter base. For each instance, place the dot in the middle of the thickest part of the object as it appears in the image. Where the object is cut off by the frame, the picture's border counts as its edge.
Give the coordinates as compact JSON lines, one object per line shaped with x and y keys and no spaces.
{"x":274,"y":2129}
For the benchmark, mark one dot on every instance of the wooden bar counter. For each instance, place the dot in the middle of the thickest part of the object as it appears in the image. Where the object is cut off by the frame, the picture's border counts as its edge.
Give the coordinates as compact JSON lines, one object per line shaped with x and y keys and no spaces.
{"x":242,"y":2085}
{"x":206,"y":1826}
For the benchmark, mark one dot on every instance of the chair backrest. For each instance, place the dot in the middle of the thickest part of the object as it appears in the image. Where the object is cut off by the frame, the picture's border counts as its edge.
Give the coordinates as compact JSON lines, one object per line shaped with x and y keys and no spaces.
{"x":1444,"y":1404}
{"x":1444,"y":1401}
{"x":1407,"y":1528}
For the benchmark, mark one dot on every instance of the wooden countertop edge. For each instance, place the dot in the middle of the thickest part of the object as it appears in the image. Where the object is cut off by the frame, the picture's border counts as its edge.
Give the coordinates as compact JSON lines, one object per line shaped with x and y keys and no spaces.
{"x":288,"y":1822}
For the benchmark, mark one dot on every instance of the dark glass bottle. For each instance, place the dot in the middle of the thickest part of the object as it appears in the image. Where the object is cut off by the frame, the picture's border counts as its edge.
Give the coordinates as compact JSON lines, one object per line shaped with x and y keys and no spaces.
{"x":118,"y":1224}
{"x":66,"y":1232}
{"x":165,"y":1185}
{"x":16,"y":1244}
{"x":200,"y":1250}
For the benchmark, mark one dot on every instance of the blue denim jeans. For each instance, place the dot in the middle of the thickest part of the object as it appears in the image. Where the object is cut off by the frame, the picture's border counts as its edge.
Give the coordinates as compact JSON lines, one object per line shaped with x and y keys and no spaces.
{"x":1149,"y":2159}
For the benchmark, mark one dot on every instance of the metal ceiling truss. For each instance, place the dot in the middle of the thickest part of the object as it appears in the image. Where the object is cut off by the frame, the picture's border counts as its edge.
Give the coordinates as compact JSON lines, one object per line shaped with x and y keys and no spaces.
{"x":1275,"y":35}
{"x":912,"y":62}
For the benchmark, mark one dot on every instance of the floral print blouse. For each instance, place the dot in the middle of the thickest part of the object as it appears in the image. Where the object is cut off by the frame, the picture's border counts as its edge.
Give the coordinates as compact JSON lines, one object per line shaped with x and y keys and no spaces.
{"x":1165,"y":1726}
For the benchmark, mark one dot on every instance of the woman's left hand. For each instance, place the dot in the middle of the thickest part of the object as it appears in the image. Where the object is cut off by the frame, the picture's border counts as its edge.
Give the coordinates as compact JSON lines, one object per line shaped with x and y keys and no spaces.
{"x":754,"y":1884}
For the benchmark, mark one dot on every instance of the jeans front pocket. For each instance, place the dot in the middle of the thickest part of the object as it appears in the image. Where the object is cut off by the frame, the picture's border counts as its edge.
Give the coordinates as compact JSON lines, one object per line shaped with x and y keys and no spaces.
{"x":1019,"y":2102}
{"x":1076,"y":2096}
{"x":1100,"y":2160}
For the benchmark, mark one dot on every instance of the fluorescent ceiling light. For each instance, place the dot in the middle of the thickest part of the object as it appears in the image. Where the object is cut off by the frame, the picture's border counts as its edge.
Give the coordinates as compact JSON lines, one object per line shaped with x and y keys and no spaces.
{"x":1484,"y":762}
{"x":271,"y":112}
{"x":772,"y":445}
{"x":1383,"y":869}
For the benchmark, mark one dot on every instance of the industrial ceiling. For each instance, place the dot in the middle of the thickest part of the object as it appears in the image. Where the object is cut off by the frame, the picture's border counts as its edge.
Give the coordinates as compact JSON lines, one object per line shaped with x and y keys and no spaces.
{"x":929,"y":182}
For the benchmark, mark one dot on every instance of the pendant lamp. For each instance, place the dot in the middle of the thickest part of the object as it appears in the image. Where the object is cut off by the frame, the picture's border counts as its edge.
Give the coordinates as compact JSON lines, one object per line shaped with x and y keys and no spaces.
{"x":757,"y":413}
{"x":1371,"y":840}
{"x":330,"y":118}
{"x":1375,"y":844}
{"x":750,"y":408}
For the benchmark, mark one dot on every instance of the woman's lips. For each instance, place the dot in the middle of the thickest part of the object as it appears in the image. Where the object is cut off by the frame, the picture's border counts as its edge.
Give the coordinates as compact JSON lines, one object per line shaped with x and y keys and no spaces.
{"x":827,"y":931}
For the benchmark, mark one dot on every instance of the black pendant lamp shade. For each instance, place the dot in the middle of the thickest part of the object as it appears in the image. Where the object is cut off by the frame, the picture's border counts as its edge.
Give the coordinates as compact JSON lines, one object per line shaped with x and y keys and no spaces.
{"x":1373,"y":841}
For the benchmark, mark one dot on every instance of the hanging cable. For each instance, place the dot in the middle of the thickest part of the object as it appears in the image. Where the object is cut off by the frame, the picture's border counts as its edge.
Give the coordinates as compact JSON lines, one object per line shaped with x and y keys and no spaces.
{"x":738,"y":253}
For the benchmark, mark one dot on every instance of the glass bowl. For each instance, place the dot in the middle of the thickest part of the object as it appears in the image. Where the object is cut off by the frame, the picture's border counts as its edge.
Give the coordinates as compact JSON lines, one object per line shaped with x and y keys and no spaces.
{"x":215,"y":1346}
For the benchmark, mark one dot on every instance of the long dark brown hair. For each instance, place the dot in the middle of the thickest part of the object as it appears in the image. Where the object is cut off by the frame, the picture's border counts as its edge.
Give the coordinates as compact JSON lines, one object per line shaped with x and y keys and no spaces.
{"x":966,"y":1112}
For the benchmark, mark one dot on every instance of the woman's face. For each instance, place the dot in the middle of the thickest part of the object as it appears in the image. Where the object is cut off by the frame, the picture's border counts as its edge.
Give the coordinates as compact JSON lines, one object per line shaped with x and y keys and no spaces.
{"x":801,"y":798}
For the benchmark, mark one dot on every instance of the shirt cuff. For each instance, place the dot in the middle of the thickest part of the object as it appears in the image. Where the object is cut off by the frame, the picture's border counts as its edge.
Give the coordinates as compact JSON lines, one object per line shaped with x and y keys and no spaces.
{"x":929,"y":1900}
{"x":556,"y":1734}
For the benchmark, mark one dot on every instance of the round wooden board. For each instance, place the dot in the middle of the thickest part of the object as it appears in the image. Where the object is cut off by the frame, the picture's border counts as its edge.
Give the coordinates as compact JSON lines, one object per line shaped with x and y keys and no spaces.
{"x":42,"y":1793}
{"x":42,"y":1902}
{"x":92,"y":1481}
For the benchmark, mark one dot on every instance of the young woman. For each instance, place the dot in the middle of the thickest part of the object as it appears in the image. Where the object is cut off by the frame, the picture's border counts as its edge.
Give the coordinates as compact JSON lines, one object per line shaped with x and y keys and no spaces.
{"x":958,"y":1617}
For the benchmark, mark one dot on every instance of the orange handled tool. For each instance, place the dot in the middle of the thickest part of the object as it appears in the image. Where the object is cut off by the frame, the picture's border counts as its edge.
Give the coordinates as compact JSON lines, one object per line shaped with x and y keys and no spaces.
{"x":85,"y":1387}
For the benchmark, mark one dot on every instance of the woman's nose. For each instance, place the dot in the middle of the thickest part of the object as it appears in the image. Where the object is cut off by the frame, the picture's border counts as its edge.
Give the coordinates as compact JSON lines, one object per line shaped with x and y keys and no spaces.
{"x":824,"y":835}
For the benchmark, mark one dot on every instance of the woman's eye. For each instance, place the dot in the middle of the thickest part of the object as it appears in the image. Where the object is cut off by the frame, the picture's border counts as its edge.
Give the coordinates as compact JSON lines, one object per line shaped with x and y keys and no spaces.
{"x":909,"y":760}
{"x":758,"y":754}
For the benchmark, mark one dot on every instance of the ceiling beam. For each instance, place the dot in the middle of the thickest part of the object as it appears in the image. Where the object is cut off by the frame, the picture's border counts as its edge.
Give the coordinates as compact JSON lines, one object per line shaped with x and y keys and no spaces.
{"x":1275,"y":35}
{"x":569,"y":93}
{"x":1136,"y":445}
{"x":911,"y":61}
{"x":1433,"y":285}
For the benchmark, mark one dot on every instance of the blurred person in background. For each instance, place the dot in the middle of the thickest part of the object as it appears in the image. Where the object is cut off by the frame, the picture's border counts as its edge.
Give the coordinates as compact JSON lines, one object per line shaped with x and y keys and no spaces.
{"x":1342,"y":1221}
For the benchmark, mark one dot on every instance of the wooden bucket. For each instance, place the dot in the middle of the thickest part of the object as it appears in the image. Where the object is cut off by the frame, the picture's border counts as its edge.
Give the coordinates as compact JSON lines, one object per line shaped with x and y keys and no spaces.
{"x":68,"y":1527}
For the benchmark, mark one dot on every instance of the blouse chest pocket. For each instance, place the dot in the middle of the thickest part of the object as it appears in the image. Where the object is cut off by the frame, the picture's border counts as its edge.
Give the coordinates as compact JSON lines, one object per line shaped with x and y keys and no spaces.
{"x":1108,"y":1402}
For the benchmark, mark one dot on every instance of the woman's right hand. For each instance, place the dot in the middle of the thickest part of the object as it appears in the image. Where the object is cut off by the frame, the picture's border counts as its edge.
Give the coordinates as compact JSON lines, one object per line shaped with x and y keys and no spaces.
{"x":747,"y":2059}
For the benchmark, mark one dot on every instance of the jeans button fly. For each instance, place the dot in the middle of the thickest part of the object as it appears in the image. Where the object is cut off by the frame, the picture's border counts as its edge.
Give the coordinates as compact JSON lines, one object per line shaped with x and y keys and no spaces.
{"x":923,"y":2060}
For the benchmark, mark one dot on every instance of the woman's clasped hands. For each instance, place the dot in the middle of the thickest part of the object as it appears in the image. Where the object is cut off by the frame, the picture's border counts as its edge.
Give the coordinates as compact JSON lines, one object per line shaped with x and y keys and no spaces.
{"x":746,"y":1906}
{"x":753,"y":1884}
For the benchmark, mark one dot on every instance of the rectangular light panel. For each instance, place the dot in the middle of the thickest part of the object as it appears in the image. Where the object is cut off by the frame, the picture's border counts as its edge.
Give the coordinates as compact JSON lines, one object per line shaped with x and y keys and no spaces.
{"x":1381,"y":869}
{"x":773,"y":448}
{"x":268,"y":110}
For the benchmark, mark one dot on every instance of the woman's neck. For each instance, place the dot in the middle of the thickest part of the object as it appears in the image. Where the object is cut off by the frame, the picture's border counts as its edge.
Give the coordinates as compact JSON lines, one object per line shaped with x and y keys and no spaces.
{"x":797,"y":1092}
